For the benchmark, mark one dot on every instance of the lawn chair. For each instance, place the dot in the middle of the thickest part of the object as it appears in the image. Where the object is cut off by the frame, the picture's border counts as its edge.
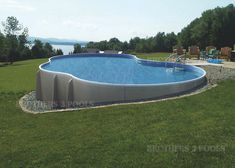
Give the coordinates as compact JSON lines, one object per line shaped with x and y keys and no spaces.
{"x":225,"y":53}
{"x":178,"y":50}
{"x":210,"y":48}
{"x":203,"y":55}
{"x":210,"y":53}
{"x":213,"y":53}
{"x":194,"y":51}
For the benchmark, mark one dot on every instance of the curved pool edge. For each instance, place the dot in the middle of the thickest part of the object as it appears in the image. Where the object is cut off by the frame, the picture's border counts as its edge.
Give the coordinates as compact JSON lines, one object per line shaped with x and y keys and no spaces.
{"x":121,"y":55}
{"x":68,"y":90}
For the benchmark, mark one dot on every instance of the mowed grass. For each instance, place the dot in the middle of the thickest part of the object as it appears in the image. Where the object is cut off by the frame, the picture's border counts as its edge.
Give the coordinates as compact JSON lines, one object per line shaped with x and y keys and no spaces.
{"x":20,"y":76}
{"x":196,"y":131}
{"x":153,"y":56}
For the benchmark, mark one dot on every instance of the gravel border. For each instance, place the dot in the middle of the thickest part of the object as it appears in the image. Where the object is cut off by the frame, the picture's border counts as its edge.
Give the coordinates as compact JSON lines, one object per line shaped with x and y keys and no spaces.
{"x":29,"y":104}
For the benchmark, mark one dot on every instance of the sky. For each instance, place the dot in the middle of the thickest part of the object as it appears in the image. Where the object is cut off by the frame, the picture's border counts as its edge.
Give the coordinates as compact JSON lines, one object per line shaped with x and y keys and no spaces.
{"x":96,"y":20}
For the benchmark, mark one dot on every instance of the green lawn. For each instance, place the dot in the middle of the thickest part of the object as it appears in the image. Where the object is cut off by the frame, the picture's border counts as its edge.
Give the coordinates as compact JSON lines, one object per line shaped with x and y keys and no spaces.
{"x":20,"y":76}
{"x":153,"y":56}
{"x":200,"y":128}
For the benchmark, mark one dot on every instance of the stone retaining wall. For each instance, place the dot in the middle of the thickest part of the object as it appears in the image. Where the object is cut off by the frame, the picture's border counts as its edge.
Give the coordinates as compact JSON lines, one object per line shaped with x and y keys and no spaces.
{"x":218,"y":73}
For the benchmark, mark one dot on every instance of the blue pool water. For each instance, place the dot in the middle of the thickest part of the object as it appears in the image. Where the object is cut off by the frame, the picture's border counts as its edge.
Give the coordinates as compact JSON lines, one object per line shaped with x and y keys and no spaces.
{"x":121,"y":69}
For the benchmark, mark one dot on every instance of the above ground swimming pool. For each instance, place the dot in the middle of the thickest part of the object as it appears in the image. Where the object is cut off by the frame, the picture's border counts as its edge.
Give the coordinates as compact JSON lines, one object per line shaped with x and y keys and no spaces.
{"x":96,"y":79}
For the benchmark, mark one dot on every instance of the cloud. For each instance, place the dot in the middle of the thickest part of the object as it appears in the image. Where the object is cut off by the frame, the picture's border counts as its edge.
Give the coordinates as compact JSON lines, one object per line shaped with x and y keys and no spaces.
{"x":13,"y":4}
{"x":44,"y":22}
{"x":136,"y":33}
{"x":79,"y":25}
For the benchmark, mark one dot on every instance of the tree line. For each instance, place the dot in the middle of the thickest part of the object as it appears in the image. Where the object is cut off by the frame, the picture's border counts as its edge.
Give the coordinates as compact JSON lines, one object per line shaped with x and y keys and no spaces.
{"x":160,"y":43}
{"x":215,"y":27}
{"x":14,"y":45}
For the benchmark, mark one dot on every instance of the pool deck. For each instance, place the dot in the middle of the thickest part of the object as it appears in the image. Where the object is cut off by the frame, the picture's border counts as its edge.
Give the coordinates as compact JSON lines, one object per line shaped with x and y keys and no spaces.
{"x":225,"y":64}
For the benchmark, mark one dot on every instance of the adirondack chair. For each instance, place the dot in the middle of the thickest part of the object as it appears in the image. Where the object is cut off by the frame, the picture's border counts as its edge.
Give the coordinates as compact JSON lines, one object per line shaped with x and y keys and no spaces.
{"x":225,"y":53}
{"x":194,"y":51}
{"x":178,"y":50}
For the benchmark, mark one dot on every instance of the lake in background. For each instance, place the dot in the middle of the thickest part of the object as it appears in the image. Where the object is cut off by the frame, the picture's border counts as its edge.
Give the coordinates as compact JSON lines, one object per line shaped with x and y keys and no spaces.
{"x":65,"y":48}
{"x":65,"y":45}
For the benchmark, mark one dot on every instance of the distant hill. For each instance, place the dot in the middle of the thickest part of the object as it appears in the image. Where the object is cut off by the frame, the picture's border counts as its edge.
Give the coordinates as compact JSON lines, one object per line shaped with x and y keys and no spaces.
{"x":55,"y":41}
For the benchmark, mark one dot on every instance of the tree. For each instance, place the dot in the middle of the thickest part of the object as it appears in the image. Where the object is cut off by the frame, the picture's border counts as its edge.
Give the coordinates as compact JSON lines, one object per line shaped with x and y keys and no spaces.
{"x":3,"y":48}
{"x":12,"y":26}
{"x":133,"y":42}
{"x":15,"y":46}
{"x":37,"y":49}
{"x":48,"y":50}
{"x":12,"y":48}
{"x":77,"y":48}
{"x":40,"y":50}
{"x":58,"y":52}
{"x":125,"y":46}
{"x":115,"y":44}
{"x":22,"y":38}
{"x":215,"y":27}
{"x":160,"y":42}
{"x":103,"y":45}
{"x":170,"y":41}
{"x":23,"y":47}
{"x":15,"y":39}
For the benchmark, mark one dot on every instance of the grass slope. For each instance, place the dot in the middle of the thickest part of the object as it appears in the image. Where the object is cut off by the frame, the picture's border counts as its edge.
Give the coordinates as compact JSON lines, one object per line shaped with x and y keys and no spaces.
{"x":116,"y":136}
{"x":20,"y":76}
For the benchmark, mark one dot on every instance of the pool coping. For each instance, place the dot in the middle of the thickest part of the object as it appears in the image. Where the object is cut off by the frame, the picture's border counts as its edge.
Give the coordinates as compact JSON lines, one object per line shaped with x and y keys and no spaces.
{"x":195,"y":68}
